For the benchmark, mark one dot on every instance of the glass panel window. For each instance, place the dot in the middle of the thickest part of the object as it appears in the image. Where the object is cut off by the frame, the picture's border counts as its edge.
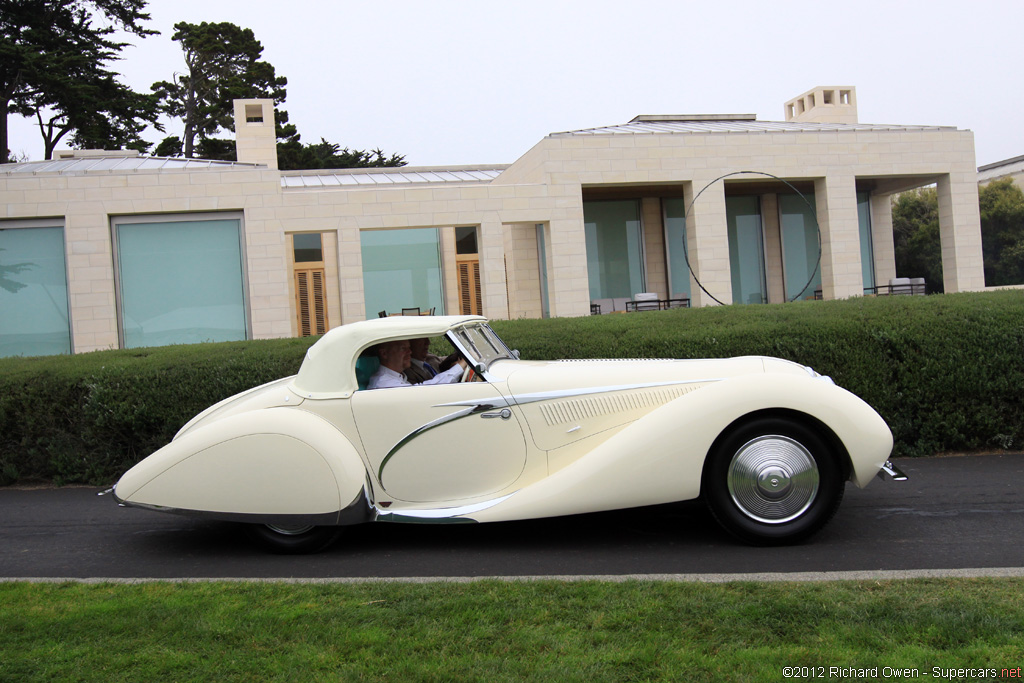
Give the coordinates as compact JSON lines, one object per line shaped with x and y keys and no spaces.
{"x":675,"y":247}
{"x":34,"y":317}
{"x":797,"y":221}
{"x":746,"y":250}
{"x":308,"y":247}
{"x":402,"y":269}
{"x":614,"y":248}
{"x":542,"y":260}
{"x":867,"y":252}
{"x":181,"y":282}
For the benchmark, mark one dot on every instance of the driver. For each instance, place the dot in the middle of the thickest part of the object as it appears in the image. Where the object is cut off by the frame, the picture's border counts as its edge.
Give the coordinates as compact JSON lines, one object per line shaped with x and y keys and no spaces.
{"x":396,"y":357}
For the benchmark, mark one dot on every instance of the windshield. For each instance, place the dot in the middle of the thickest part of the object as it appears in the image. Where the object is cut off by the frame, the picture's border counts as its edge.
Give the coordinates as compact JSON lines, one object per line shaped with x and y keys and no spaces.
{"x":481,"y":344}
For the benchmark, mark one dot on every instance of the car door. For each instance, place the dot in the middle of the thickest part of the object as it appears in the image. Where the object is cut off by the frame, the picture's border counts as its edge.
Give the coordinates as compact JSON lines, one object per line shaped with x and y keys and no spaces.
{"x":437,"y":443}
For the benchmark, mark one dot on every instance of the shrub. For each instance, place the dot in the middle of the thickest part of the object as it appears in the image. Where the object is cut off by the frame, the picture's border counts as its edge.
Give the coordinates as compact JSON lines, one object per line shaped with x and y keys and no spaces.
{"x":89,"y":417}
{"x":945,"y":372}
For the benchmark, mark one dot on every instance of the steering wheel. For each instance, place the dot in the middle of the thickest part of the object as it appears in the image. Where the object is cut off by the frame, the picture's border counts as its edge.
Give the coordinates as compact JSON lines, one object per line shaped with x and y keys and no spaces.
{"x":468,"y":374}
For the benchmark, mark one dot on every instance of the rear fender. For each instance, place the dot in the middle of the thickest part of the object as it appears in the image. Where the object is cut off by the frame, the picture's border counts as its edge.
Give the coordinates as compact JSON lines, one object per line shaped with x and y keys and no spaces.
{"x":278,"y":464}
{"x":660,"y":457}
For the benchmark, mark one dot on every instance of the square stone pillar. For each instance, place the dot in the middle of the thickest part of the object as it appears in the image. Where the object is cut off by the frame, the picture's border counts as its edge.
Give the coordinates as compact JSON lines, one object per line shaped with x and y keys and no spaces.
{"x":350,"y":275}
{"x":883,"y":242}
{"x":656,"y":271}
{"x":707,"y":239}
{"x":493,"y":289}
{"x":568,"y":284}
{"x":963,"y":268}
{"x":836,"y":201}
{"x":773,"y":270}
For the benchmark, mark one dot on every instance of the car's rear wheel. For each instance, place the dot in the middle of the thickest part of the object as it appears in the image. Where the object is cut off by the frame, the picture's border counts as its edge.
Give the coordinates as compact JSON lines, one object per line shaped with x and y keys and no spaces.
{"x":293,"y":539}
{"x":773,"y":481}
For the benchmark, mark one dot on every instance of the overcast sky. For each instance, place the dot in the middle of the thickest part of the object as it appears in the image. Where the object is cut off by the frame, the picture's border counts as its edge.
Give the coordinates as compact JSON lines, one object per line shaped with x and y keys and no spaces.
{"x":455,"y":83}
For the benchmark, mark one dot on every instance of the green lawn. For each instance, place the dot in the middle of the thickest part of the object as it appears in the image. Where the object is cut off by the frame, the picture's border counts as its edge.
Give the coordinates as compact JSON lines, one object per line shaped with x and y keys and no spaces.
{"x":499,"y":631}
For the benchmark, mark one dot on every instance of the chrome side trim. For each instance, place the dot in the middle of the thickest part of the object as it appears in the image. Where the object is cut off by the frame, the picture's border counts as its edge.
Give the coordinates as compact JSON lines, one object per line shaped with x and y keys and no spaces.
{"x":439,"y":513}
{"x":501,"y":403}
{"x":356,"y":512}
{"x":524,"y":399}
{"x":471,"y":409}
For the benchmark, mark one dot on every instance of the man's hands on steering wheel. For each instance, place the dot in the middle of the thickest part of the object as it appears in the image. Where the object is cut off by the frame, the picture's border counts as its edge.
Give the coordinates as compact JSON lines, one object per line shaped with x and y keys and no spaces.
{"x":449,"y":361}
{"x":468,"y":373}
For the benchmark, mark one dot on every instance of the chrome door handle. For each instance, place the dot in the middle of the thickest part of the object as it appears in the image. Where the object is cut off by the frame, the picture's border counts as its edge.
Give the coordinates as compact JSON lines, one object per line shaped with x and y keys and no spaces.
{"x":504,"y":414}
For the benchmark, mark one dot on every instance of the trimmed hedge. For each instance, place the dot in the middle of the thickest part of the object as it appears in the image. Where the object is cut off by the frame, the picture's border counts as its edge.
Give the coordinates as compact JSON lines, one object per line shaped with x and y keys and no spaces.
{"x":945,"y":371}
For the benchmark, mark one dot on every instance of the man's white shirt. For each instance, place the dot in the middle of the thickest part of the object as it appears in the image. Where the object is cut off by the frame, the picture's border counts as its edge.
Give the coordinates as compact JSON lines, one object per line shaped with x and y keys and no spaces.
{"x":386,"y":377}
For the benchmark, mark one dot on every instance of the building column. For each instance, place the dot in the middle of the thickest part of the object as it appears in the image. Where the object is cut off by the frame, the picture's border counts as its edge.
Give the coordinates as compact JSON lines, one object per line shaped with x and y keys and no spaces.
{"x":350,"y":275}
{"x":655,"y":261}
{"x":836,"y":201}
{"x":963,"y":268}
{"x":773,"y":270}
{"x":523,"y":269}
{"x":883,"y":242}
{"x":707,"y":238}
{"x":568,"y":285}
{"x":493,"y":286}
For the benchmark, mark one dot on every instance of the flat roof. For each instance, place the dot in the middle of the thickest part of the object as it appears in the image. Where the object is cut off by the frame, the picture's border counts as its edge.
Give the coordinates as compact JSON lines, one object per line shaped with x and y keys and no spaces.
{"x":120,"y":164}
{"x":112,"y":162}
{"x":1005,"y":162}
{"x":741,"y":123}
{"x":398,"y":175}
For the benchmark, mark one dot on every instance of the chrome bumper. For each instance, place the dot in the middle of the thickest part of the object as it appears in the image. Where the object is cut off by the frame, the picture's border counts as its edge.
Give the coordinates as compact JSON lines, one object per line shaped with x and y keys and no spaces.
{"x":891,"y":472}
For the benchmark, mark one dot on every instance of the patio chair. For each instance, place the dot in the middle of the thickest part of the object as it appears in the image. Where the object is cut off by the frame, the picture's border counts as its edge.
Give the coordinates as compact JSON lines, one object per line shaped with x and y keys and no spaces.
{"x":900,"y":285}
{"x":679,"y":301}
{"x":646,"y":301}
{"x":411,"y":311}
{"x":619,"y":304}
{"x":382,"y":314}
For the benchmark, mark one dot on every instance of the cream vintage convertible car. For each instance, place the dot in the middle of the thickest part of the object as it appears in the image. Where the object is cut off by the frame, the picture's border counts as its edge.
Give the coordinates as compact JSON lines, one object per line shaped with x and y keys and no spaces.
{"x":769,"y":444}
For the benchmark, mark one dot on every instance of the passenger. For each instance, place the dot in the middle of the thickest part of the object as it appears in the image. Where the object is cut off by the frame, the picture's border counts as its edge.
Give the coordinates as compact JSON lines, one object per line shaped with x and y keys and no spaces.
{"x":396,"y":357}
{"x":424,"y":364}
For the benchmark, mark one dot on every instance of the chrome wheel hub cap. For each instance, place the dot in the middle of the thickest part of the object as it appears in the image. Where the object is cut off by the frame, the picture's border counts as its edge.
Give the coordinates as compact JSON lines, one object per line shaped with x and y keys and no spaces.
{"x":773,"y":479}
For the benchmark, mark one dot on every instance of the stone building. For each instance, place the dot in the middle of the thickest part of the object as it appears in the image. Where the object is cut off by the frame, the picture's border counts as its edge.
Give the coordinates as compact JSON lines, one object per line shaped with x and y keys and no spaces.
{"x":110,"y":249}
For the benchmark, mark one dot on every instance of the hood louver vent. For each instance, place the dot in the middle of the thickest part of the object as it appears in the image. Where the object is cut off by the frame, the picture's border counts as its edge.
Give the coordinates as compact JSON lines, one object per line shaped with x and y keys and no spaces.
{"x":579,"y":409}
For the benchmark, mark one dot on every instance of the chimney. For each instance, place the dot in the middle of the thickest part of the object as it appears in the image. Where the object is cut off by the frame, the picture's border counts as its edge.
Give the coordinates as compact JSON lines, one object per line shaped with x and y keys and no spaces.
{"x":824,"y":104}
{"x":255,"y":136}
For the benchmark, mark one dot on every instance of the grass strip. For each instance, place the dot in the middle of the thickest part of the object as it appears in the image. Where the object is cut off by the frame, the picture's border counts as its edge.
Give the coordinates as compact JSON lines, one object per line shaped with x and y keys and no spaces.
{"x":499,"y":631}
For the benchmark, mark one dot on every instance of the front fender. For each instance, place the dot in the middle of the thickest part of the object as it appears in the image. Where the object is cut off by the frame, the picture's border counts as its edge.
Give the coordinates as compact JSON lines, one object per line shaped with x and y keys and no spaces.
{"x":660,"y":457}
{"x":264,"y":465}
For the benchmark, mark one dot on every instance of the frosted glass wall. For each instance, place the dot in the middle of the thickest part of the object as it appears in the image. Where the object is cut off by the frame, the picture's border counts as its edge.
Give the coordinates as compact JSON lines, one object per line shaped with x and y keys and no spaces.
{"x":746,"y":250}
{"x":675,"y":246}
{"x":614,"y":248}
{"x":180,"y":282}
{"x":800,"y":253}
{"x":402,"y":269}
{"x":867,"y":252}
{"x":33,"y":292}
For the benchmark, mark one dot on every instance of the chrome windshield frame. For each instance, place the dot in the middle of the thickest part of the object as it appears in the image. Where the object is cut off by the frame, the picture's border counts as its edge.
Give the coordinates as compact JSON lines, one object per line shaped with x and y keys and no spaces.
{"x":461,"y":339}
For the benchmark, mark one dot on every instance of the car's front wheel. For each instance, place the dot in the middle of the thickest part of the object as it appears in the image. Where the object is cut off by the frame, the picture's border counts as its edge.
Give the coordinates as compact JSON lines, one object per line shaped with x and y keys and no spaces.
{"x":773,"y":481}
{"x":294,"y":539}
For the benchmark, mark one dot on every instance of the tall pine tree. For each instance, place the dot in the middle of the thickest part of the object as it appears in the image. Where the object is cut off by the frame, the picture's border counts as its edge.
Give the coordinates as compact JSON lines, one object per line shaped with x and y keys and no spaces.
{"x":223,"y":62}
{"x":53,"y":59}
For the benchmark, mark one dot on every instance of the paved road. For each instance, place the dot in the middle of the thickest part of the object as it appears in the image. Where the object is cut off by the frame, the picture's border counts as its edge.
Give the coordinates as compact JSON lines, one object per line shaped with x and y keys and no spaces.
{"x":956,"y":512}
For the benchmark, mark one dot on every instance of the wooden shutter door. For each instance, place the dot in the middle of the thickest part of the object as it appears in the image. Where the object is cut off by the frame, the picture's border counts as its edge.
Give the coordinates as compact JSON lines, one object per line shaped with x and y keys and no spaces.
{"x":469,"y":287}
{"x":311,"y":302}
